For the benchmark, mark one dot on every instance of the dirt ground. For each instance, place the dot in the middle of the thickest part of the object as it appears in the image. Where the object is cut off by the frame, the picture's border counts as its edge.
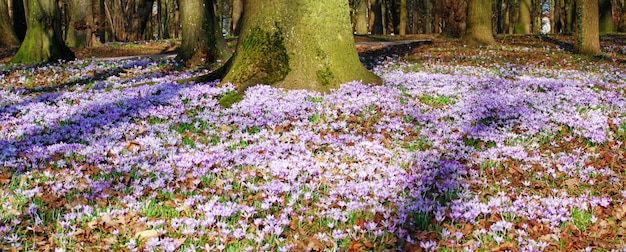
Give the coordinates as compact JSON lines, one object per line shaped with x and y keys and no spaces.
{"x":614,"y":47}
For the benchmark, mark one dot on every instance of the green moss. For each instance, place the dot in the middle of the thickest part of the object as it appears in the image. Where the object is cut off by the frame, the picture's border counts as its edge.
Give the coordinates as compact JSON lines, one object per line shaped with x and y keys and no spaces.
{"x":264,"y":58}
{"x":229,"y":99}
{"x":325,"y":76}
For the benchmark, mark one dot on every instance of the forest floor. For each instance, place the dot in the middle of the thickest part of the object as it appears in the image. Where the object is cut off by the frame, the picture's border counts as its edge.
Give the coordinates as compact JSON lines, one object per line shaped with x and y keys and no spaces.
{"x":519,"y":146}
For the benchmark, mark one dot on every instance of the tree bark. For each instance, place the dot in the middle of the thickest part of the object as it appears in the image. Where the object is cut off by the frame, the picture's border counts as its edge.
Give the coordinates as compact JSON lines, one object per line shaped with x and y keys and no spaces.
{"x":479,"y":30}
{"x":586,"y":33}
{"x":81,"y":23}
{"x":622,"y":21}
{"x":361,"y":19}
{"x":8,"y":38}
{"x":454,"y":16}
{"x":606,"y":16}
{"x":376,"y":17}
{"x":523,"y":23}
{"x":237,"y":12}
{"x":296,"y":44}
{"x":19,"y":18}
{"x":202,"y":42}
{"x":428,"y":17}
{"x":43,"y":41}
{"x":404,"y":16}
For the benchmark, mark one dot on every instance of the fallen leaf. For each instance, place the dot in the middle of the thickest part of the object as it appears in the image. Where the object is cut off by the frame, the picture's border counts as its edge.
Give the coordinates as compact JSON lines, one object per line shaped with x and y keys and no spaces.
{"x":146,"y":234}
{"x":620,"y":212}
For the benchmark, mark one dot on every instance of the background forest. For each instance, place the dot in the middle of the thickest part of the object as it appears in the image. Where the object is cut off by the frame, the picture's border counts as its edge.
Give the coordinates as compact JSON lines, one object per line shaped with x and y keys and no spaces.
{"x":426,"y":125}
{"x":88,"y":23}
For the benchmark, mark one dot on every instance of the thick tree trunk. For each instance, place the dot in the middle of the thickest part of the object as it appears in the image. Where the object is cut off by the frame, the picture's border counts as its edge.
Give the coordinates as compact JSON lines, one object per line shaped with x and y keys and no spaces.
{"x":8,"y":38}
{"x":202,"y":42}
{"x":587,"y":36}
{"x":523,"y":23}
{"x":43,"y":41}
{"x":404,"y":16}
{"x":81,"y":23}
{"x":606,"y":16}
{"x":361,"y":19}
{"x":479,"y":30}
{"x":296,"y":44}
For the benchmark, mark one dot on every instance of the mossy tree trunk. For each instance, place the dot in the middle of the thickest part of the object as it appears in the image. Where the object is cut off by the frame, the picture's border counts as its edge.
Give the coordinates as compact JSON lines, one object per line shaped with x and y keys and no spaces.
{"x":8,"y":38}
{"x":43,"y":41}
{"x":606,"y":16}
{"x":296,"y":44}
{"x":523,"y":23}
{"x":586,"y":32}
{"x":202,"y":42}
{"x":479,"y":30}
{"x":81,"y":23}
{"x":361,"y":20}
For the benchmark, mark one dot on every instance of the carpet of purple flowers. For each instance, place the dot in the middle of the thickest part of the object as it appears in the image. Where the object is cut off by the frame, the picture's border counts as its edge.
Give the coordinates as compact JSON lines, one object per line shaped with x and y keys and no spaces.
{"x":440,"y":157}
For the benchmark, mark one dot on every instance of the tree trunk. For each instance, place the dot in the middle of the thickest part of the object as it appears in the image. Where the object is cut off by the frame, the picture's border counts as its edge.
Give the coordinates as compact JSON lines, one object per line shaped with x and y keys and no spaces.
{"x":454,"y":16}
{"x":202,"y":42}
{"x":479,"y":30}
{"x":19,"y":18}
{"x":606,"y":16}
{"x":237,"y":12}
{"x":622,"y":20}
{"x":586,"y":34}
{"x":376,"y":17}
{"x":361,"y":17}
{"x":43,"y":41}
{"x":8,"y":38}
{"x":523,"y":23}
{"x":296,"y":44}
{"x":570,"y":16}
{"x":81,"y":23}
{"x":428,"y":17}
{"x":404,"y":16}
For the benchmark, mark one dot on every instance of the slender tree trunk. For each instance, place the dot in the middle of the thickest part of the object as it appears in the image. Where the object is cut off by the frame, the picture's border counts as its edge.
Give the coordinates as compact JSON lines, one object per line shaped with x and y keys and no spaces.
{"x":523,"y":25}
{"x":479,"y":30}
{"x":296,"y":44}
{"x":8,"y":38}
{"x":622,"y":20}
{"x":606,"y":16}
{"x":587,"y":35}
{"x":81,"y":23}
{"x":428,"y":17}
{"x":202,"y":42}
{"x":376,"y":17}
{"x":570,"y":16}
{"x":404,"y":16}
{"x":361,"y":17}
{"x":237,"y":12}
{"x":19,"y":18}
{"x":43,"y":41}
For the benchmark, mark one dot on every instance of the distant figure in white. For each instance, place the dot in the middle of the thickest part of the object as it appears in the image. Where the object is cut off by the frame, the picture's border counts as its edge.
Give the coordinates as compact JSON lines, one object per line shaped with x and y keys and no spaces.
{"x":545,"y":25}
